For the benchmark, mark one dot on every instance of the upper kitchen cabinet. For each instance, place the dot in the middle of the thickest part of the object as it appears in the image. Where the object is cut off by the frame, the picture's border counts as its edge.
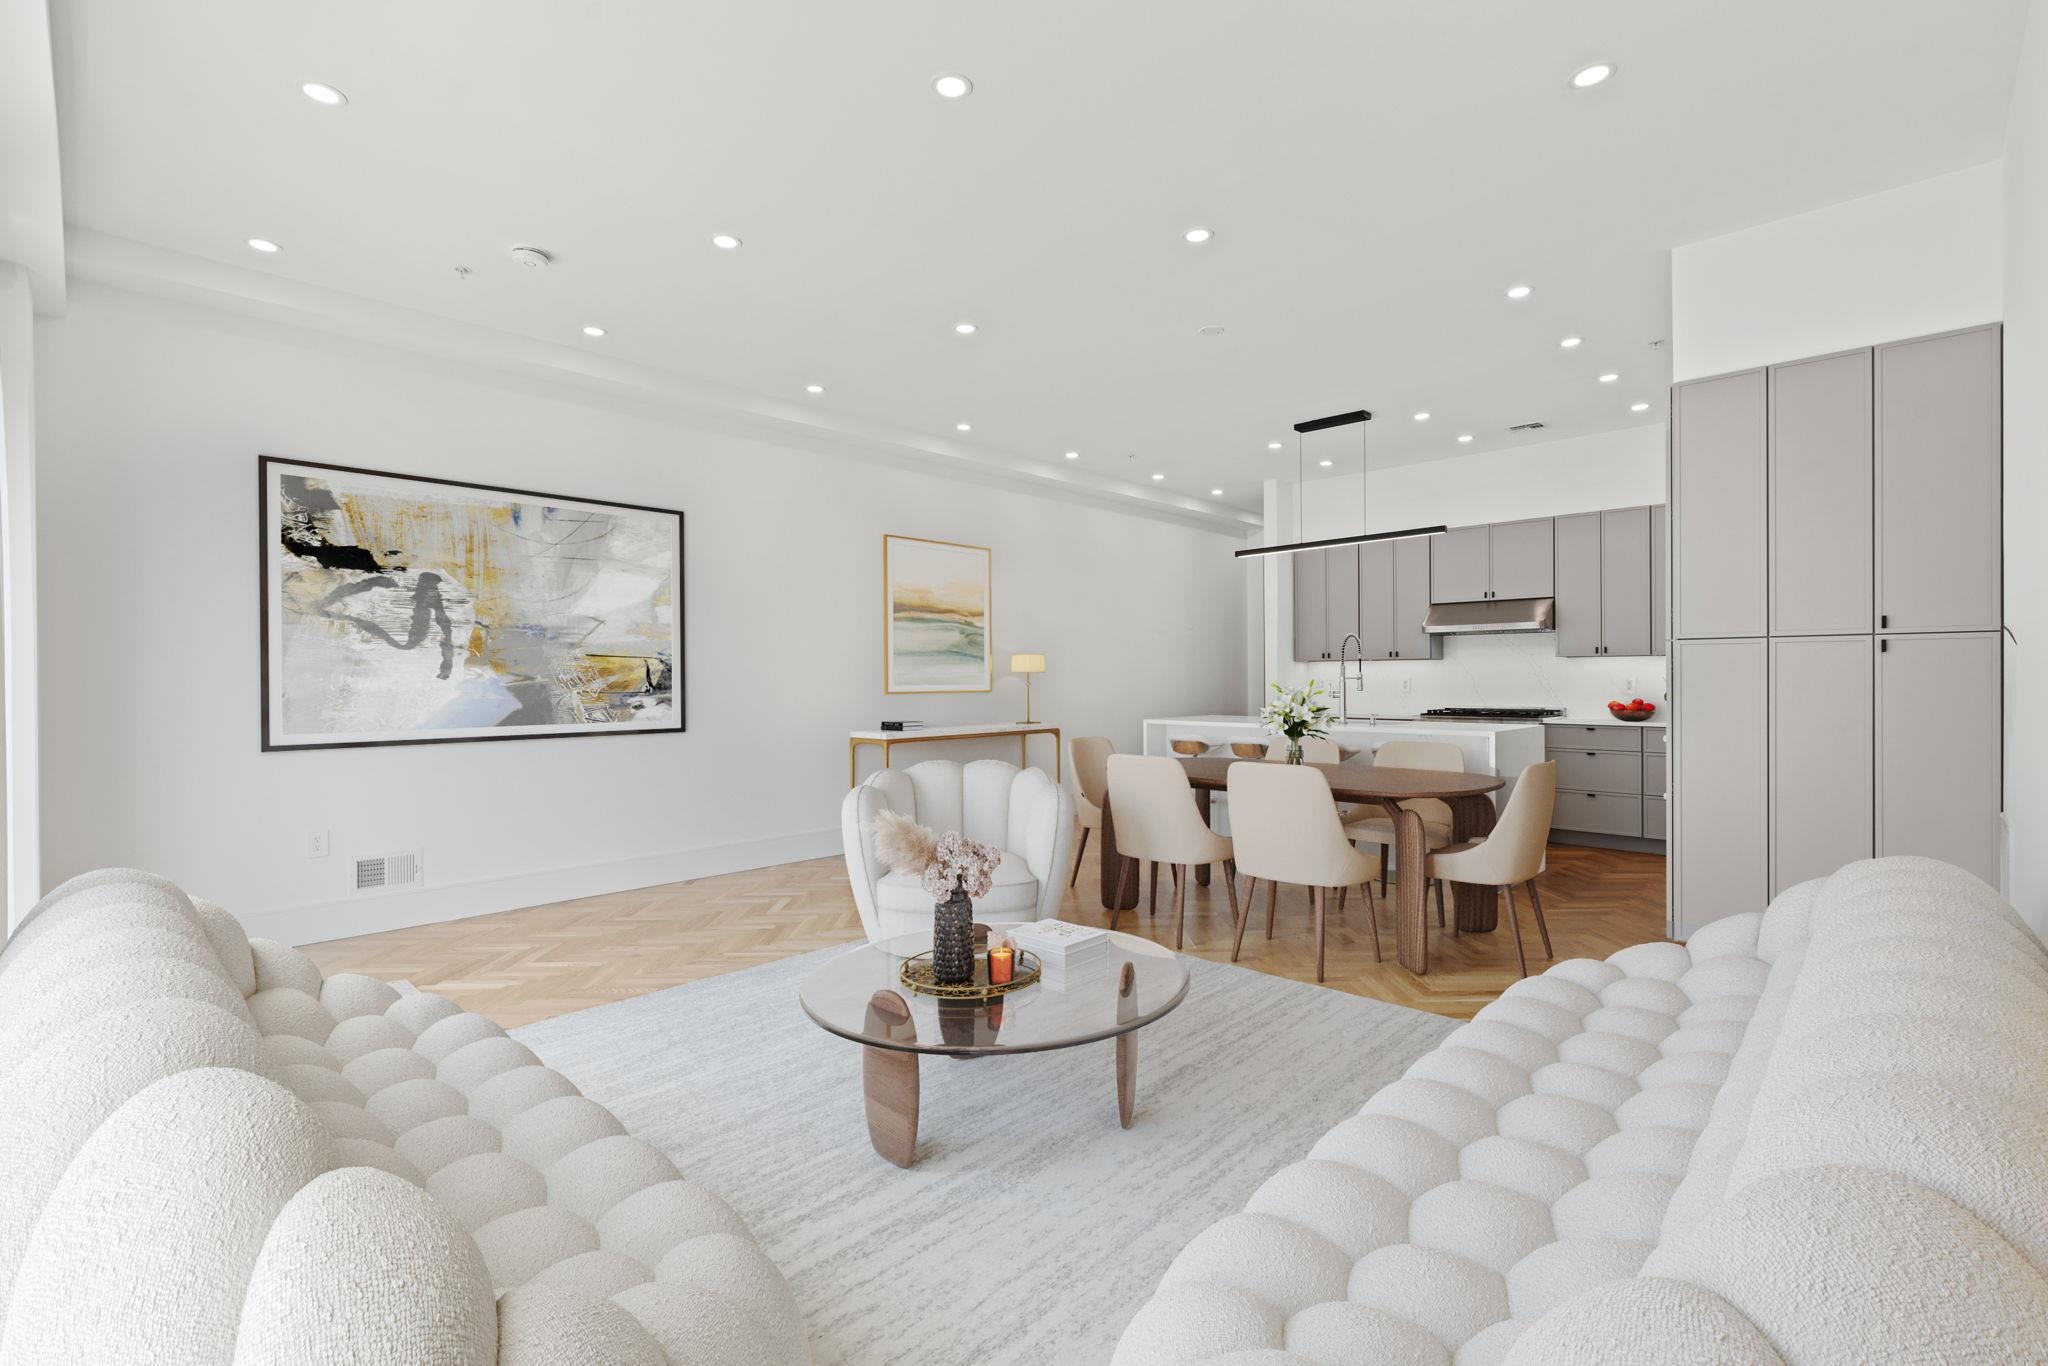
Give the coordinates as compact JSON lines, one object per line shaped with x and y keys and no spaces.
{"x":1605,"y":583}
{"x":1326,"y":601}
{"x":1505,"y":560}
{"x":1938,"y":483}
{"x":1660,"y":580}
{"x":1718,"y":503}
{"x":1393,"y":600}
{"x":1820,"y":466}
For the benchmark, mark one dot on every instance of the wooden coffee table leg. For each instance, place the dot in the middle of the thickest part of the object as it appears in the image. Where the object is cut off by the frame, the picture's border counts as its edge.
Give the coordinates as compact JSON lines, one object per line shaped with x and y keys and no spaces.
{"x":889,"y":1079}
{"x":1127,"y":1048}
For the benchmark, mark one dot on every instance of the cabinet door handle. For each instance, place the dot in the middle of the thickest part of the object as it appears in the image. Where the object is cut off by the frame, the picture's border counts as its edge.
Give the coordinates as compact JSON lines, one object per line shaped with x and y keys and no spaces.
{"x":1884,"y":623}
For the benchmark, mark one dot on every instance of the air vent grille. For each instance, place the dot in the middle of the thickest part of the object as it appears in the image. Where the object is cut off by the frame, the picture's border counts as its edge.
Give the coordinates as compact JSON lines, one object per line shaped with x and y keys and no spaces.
{"x":389,"y":872}
{"x":1527,"y":427}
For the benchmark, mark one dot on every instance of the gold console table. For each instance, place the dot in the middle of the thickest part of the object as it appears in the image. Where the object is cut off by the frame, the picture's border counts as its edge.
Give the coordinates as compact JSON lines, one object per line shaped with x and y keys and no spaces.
{"x":889,"y":739}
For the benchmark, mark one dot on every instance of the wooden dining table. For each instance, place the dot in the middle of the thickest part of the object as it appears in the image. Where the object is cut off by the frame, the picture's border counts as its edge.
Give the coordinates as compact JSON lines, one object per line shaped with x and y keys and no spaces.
{"x":1472,"y":816}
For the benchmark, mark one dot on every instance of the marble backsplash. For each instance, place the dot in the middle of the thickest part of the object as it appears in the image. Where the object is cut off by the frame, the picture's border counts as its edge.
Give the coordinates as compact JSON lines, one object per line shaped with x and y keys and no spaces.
{"x":1496,"y":671}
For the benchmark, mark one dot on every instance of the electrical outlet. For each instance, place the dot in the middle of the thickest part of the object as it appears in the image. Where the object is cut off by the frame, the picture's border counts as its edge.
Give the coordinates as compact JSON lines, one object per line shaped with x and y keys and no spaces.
{"x":1628,"y":685}
{"x":316,"y":844}
{"x":1407,"y":685}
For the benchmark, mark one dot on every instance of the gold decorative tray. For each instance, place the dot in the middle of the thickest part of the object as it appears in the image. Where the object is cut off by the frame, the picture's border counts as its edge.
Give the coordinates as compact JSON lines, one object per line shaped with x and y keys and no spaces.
{"x":917,"y":975}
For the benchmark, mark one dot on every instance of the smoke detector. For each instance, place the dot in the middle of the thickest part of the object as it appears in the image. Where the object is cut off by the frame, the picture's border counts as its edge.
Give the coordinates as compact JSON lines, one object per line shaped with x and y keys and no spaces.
{"x":533,"y":258}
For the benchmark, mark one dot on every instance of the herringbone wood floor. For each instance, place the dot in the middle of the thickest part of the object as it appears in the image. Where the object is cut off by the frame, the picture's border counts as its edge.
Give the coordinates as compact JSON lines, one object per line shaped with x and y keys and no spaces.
{"x":526,"y":965}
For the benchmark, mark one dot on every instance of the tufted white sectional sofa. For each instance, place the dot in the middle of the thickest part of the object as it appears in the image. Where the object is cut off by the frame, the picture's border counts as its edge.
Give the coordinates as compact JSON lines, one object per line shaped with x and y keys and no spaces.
{"x":1815,"y":1134}
{"x":209,"y":1153}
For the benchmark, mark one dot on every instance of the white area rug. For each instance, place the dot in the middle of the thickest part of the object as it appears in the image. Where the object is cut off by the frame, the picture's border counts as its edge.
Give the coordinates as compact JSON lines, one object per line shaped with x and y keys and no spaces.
{"x":1032,"y":1228}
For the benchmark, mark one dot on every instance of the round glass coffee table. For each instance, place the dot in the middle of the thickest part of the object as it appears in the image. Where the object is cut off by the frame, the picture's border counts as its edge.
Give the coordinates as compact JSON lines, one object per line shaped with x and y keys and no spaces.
{"x":860,"y":996}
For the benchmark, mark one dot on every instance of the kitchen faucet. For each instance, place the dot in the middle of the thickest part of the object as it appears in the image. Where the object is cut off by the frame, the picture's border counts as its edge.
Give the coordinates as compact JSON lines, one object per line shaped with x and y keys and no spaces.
{"x":1344,"y":679}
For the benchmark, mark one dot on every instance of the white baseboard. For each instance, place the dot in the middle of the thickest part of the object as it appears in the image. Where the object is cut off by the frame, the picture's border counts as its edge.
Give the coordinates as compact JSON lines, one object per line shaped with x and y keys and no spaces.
{"x":320,"y":921}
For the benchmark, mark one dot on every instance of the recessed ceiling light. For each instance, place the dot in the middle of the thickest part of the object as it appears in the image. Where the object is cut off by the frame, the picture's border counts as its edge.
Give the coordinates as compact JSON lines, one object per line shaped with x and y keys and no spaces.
{"x":1215,"y":493}
{"x":1639,"y":407}
{"x":263,"y":244}
{"x":1211,"y":329}
{"x":1466,"y":437}
{"x":1518,"y":291}
{"x":1326,"y":463}
{"x":322,"y":94}
{"x":1609,"y":378}
{"x":952,"y":85}
{"x":1158,"y":476}
{"x":1197,"y":235}
{"x":814,"y":388}
{"x":726,"y":240}
{"x":963,"y":426}
{"x":593,"y":331}
{"x":1272,"y":445}
{"x":1422,"y":417}
{"x":1073,"y":455}
{"x":1586,"y":77}
{"x":1570,"y":342}
{"x":965,"y":329}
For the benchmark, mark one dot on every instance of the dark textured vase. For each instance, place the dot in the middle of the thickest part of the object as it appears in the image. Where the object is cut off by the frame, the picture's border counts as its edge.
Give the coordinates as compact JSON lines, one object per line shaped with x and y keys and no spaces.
{"x":953,"y":939}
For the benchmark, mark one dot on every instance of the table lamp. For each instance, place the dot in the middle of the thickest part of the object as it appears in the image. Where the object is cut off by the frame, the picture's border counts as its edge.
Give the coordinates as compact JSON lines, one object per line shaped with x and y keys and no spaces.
{"x":1027,"y":665}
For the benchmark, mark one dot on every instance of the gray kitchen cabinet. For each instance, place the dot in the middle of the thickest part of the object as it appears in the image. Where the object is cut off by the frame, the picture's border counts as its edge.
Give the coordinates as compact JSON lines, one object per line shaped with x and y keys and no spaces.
{"x":1821,"y":496}
{"x":1375,"y":580}
{"x":1411,"y":602}
{"x":1340,"y":596}
{"x":1577,"y":541}
{"x":1599,"y":813}
{"x":1604,"y":583}
{"x":1654,"y":777}
{"x":1938,"y":445}
{"x":1310,"y":634}
{"x":1461,"y":565}
{"x":1823,"y":766}
{"x":1627,"y":736}
{"x":1718,"y":510}
{"x":1660,"y":581}
{"x":1625,"y":581}
{"x":1938,"y":748}
{"x":1520,"y":559}
{"x":1720,"y":737}
{"x":1656,"y":819}
{"x":1598,"y":770}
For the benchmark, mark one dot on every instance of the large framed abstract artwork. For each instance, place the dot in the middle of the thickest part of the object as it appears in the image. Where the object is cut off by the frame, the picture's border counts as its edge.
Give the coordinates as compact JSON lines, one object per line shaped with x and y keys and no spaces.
{"x":399,"y":610}
{"x":935,"y":616}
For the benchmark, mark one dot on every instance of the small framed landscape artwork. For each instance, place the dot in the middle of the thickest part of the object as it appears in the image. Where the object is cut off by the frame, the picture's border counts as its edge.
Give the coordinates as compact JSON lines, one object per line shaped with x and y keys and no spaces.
{"x":399,"y":610}
{"x":936,"y":616}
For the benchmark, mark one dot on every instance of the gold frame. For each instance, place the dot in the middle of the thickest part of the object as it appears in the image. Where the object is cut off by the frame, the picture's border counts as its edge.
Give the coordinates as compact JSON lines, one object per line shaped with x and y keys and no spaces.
{"x":988,"y":635}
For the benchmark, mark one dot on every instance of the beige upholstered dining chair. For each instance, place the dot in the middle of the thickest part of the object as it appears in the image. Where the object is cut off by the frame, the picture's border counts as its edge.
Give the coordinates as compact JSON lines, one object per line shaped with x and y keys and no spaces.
{"x":1436,"y":755}
{"x":1284,"y":828}
{"x":1091,"y":770}
{"x":1315,"y":749}
{"x":1512,"y":853}
{"x":1157,"y":822}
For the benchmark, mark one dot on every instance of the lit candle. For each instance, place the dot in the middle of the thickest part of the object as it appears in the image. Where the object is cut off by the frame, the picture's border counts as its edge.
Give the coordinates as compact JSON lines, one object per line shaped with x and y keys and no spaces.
{"x":1001,"y":963}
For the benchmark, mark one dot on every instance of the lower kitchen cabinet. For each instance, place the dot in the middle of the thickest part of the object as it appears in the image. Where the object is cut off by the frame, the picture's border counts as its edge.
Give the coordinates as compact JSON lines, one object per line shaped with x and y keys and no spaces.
{"x":1939,"y":749}
{"x":1823,"y":761}
{"x":1720,"y":738}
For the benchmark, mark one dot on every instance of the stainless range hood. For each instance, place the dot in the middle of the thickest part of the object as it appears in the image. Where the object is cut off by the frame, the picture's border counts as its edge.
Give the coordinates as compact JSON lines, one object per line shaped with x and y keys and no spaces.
{"x":1494,"y":617}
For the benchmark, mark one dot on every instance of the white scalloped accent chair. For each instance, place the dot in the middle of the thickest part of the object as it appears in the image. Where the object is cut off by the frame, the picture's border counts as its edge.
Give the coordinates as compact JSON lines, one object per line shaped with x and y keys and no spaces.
{"x":209,"y":1152}
{"x":1020,"y":811}
{"x":1814,"y":1134}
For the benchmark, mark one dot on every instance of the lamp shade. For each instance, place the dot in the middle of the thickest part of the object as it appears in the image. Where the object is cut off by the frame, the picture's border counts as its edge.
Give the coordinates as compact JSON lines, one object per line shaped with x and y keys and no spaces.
{"x":1027,"y":664}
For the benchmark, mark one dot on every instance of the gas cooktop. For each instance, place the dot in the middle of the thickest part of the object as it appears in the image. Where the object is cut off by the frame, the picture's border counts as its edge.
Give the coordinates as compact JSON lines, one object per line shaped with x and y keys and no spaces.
{"x":1493,"y":713}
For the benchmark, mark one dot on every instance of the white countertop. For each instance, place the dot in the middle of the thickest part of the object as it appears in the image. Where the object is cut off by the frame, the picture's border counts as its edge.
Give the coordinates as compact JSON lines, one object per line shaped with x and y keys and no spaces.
{"x":1361,"y":724}
{"x":1601,"y":719}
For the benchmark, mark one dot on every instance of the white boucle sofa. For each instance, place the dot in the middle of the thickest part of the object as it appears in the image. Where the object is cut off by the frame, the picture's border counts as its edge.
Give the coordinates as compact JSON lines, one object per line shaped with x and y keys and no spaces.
{"x":209,"y":1153}
{"x":1815,"y":1134}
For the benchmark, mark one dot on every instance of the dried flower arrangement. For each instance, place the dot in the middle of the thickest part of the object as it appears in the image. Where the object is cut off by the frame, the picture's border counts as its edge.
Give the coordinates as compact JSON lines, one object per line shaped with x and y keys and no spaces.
{"x":940,"y":863}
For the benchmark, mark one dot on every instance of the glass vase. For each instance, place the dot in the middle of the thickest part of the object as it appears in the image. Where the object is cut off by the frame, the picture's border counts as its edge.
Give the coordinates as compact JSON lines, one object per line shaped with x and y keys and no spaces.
{"x":953,"y":939}
{"x":1294,"y":751}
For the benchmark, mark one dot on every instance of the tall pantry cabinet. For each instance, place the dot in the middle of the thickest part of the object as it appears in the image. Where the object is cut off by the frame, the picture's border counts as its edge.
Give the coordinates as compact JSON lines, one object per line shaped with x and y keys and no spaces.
{"x":1835,"y":609}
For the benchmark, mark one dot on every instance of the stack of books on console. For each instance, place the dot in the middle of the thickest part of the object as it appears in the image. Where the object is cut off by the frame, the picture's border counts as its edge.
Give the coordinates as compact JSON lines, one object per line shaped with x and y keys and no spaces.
{"x":1067,"y":954}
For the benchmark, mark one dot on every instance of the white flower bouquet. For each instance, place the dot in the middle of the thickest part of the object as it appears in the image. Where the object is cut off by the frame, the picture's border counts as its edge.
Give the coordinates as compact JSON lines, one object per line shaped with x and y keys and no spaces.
{"x":1297,"y":714}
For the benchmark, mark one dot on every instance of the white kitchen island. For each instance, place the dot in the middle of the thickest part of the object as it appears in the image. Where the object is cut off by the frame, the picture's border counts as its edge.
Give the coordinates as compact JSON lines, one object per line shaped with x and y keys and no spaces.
{"x":1503,"y":748}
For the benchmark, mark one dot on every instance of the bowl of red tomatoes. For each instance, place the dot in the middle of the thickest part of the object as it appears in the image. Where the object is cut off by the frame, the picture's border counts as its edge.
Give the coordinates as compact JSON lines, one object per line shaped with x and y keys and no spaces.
{"x":1635,"y":709}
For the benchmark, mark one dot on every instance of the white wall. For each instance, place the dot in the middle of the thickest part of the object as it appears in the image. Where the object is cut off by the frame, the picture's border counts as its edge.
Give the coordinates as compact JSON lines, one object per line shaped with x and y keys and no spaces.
{"x":2026,"y":478}
{"x":20,"y":883}
{"x":1923,"y":258}
{"x":152,"y":415}
{"x":1544,"y":479}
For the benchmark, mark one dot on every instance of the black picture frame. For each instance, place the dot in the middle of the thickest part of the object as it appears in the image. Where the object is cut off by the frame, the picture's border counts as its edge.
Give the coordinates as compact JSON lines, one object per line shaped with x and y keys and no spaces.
{"x":266,"y":560}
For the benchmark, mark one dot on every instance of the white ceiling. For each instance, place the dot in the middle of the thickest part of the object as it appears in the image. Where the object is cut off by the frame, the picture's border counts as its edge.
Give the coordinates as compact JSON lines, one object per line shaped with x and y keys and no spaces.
{"x":1376,"y":173}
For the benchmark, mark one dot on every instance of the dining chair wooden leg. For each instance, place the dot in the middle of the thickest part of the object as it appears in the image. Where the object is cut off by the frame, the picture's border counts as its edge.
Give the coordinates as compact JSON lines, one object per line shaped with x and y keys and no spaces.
{"x":1182,"y":875}
{"x":1343,"y":895}
{"x":1320,"y":898}
{"x":1383,"y":869}
{"x":1440,"y":909}
{"x":1078,"y":854}
{"x":1515,"y":921}
{"x":1152,"y":891}
{"x":1272,"y":894}
{"x":1251,"y":890}
{"x":1230,"y":881}
{"x":1124,"y":887}
{"x":1536,"y":900}
{"x":1372,"y":918}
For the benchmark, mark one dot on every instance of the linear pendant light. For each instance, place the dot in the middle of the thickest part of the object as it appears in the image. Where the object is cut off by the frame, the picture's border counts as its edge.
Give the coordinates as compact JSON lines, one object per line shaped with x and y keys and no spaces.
{"x":1301,"y":431}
